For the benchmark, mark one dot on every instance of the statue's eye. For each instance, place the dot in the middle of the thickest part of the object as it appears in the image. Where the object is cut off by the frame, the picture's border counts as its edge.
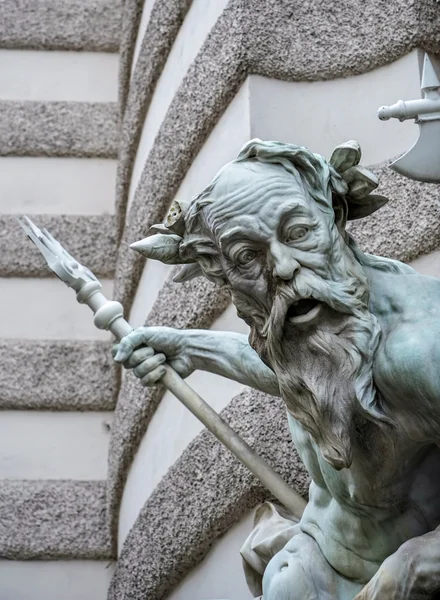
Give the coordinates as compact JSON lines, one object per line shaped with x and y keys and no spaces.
{"x":295,"y":233}
{"x":245,"y":257}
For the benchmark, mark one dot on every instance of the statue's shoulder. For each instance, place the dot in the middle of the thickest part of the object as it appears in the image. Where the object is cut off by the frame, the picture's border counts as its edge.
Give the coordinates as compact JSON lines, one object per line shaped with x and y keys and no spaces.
{"x":406,"y":299}
{"x":408,"y":357}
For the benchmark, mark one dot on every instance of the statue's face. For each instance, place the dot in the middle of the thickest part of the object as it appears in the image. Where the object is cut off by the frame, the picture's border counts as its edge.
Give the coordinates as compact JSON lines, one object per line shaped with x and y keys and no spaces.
{"x":268,"y":230}
{"x":299,"y":287}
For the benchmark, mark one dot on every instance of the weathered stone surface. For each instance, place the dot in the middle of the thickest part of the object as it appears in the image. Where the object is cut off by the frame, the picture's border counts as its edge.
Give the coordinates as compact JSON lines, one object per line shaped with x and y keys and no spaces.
{"x":315,"y":40}
{"x":57,"y":375}
{"x":131,"y":18}
{"x":205,"y":492}
{"x":163,"y":26}
{"x":82,"y":129}
{"x":60,"y":24}
{"x":53,"y":520}
{"x":91,"y":239}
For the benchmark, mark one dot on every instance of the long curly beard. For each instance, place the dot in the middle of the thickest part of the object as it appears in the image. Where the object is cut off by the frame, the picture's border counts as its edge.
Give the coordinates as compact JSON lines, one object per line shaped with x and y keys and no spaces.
{"x":325,"y":372}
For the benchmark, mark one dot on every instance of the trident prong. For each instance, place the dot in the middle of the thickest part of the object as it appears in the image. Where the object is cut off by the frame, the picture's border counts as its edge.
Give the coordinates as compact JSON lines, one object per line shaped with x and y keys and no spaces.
{"x":69,"y":270}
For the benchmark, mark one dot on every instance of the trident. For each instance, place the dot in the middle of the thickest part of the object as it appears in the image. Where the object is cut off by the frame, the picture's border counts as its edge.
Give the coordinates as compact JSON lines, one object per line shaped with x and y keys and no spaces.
{"x":422,"y":161}
{"x":109,"y":315}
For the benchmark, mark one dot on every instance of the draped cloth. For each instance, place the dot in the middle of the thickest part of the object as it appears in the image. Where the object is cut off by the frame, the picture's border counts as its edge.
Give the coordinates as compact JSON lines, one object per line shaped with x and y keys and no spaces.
{"x":273,"y":528}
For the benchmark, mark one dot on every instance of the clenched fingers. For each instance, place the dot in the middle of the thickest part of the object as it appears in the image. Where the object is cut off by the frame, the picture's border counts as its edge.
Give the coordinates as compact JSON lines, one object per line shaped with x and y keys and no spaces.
{"x":128,"y":344}
{"x":154,"y":376}
{"x":138,"y":357}
{"x":149,"y":365}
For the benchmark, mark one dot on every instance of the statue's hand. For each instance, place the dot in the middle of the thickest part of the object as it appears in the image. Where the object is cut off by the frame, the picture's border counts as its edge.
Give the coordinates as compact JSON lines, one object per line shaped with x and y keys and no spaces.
{"x":411,"y":573}
{"x":146,"y":349}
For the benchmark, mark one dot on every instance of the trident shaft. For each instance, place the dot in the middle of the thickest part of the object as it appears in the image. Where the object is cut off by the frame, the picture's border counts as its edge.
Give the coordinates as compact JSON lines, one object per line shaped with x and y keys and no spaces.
{"x":109,"y":315}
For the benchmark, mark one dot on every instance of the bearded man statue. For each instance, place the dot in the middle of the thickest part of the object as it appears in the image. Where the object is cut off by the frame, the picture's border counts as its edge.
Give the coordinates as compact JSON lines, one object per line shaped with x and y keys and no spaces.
{"x":348,"y":340}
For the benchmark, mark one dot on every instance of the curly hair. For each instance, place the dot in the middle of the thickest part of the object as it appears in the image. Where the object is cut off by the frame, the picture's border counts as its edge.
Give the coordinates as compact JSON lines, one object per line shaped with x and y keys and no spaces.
{"x":322,"y":181}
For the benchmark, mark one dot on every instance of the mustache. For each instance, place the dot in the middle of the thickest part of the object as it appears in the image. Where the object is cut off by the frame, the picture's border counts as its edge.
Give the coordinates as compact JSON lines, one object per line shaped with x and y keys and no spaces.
{"x":345,"y":297}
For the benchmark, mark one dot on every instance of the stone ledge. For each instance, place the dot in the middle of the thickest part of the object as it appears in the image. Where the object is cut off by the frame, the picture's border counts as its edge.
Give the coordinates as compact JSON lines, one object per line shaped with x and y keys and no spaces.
{"x":92,"y":25}
{"x":293,"y":40}
{"x":203,"y":494}
{"x":91,"y":239}
{"x":53,"y":520}
{"x":57,"y":375}
{"x":80,"y":129}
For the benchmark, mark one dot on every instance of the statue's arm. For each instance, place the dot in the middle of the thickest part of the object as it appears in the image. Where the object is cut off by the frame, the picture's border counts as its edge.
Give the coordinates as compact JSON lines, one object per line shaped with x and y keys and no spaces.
{"x":224,"y":353}
{"x":230,"y":355}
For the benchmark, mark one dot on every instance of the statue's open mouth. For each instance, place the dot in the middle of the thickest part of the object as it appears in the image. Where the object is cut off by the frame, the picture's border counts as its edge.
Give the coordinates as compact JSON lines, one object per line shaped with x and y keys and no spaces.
{"x":303,"y":311}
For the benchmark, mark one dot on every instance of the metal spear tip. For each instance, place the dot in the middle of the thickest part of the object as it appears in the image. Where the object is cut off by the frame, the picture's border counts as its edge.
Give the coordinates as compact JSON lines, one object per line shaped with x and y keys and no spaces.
{"x":38,"y":237}
{"x":69,"y":270}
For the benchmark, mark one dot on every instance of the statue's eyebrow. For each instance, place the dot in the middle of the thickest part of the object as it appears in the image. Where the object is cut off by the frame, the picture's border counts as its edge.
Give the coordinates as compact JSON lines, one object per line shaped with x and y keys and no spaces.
{"x":296,"y":209}
{"x":237,"y":232}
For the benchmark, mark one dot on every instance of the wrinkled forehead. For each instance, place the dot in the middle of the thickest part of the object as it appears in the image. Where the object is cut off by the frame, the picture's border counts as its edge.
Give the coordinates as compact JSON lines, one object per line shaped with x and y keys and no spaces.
{"x":252,"y":189}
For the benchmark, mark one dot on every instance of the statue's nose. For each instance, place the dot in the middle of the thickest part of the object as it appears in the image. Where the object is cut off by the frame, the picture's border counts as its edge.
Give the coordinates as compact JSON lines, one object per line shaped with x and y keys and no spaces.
{"x":285,"y":266}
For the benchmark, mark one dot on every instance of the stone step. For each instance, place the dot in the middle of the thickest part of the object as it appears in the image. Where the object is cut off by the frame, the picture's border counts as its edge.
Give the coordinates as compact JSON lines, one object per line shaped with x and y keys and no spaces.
{"x":53,"y":520}
{"x":80,"y":129}
{"x":91,"y":239}
{"x":57,"y":375}
{"x":61,"y":24}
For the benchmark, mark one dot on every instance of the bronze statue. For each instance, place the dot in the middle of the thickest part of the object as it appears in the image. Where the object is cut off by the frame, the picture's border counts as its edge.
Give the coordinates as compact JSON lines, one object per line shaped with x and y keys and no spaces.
{"x":350,"y":342}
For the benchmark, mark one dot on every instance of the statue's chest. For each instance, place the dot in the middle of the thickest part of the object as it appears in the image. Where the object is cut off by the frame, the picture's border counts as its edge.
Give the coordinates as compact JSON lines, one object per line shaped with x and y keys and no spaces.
{"x":380,"y":484}
{"x":374,"y":478}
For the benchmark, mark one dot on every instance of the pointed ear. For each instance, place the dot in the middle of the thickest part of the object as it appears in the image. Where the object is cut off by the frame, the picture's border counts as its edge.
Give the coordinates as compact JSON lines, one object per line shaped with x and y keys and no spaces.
{"x":160,"y":247}
{"x":362,"y":207}
{"x":188,"y":272}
